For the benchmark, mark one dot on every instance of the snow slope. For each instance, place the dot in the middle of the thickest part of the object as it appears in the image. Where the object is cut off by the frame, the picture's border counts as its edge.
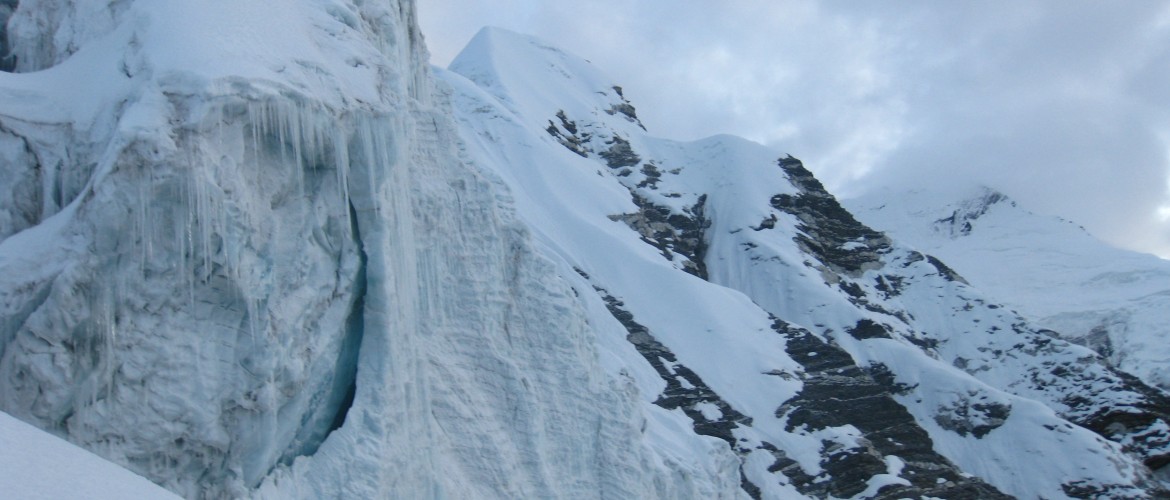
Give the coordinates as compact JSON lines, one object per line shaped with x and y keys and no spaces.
{"x":39,"y":466}
{"x":711,"y":253}
{"x":267,"y":254}
{"x":1048,"y":269}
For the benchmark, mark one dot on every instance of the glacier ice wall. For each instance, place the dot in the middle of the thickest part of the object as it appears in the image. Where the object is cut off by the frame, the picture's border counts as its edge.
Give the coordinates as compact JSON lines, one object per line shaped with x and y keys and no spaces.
{"x":250,"y":260}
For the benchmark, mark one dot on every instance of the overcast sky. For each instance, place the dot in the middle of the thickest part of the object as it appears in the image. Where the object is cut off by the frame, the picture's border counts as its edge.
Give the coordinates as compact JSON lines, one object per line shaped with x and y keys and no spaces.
{"x":1064,"y":105}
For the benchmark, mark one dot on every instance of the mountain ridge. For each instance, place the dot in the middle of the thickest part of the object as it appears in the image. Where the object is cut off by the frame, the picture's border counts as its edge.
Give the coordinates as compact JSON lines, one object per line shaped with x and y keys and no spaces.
{"x":319,"y":268}
{"x":679,"y":194}
{"x":1111,"y":299}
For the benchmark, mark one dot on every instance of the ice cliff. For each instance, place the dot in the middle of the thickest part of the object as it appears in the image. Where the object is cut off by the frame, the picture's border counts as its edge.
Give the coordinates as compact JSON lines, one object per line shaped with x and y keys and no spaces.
{"x":242,"y":255}
{"x":259,"y":249}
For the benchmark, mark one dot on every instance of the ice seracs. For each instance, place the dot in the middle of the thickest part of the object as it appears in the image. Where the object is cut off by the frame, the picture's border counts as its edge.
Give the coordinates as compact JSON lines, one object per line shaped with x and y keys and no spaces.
{"x":265,"y":269}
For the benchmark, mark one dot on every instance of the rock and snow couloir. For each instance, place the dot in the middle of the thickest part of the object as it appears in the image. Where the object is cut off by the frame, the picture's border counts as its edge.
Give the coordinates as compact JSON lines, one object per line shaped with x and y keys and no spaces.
{"x":269,"y":254}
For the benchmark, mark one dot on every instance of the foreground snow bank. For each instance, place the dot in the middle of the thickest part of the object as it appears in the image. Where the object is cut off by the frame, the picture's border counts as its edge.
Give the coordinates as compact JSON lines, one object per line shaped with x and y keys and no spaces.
{"x":37,"y":465}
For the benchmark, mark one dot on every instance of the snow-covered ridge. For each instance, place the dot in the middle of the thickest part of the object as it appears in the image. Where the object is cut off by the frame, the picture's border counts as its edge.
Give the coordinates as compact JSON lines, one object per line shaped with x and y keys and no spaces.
{"x":271,"y":256}
{"x":664,"y":232}
{"x":1048,"y":269}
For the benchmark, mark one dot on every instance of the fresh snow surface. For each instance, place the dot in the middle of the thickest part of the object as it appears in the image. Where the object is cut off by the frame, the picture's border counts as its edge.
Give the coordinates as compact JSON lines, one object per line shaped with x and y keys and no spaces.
{"x":35,"y":465}
{"x":1050,"y":270}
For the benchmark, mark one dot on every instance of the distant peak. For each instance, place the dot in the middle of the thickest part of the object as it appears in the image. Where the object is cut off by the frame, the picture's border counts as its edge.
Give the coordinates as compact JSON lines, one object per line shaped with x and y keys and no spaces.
{"x":960,"y":221}
{"x":510,"y":40}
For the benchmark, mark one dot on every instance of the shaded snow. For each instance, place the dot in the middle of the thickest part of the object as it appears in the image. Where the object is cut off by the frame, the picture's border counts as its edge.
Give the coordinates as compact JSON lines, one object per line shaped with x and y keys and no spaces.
{"x":39,"y":466}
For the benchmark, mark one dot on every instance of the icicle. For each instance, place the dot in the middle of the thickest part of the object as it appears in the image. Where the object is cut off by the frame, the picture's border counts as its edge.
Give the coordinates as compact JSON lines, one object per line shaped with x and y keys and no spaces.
{"x":200,"y":223}
{"x":253,"y":306}
{"x":186,"y":251}
{"x":141,"y":221}
{"x":111,"y":337}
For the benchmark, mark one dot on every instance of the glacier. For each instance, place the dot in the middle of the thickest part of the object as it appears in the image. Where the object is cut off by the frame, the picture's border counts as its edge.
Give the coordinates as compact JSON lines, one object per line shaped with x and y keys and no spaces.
{"x":261,"y":249}
{"x":243,"y":267}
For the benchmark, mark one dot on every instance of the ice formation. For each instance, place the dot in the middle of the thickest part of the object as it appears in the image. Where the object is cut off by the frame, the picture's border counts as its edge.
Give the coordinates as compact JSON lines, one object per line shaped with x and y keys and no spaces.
{"x":266,"y":253}
{"x":248,"y":259}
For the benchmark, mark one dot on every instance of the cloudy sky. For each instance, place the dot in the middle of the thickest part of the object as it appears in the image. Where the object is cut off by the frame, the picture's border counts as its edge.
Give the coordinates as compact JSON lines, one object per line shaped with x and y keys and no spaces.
{"x":1064,"y":105}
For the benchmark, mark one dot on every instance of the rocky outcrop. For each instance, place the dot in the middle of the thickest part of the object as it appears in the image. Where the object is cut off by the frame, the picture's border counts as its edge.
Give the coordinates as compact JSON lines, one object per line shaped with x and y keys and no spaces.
{"x":619,"y":154}
{"x":837,"y":392}
{"x":680,"y":237}
{"x":828,"y":231}
{"x":625,"y":108}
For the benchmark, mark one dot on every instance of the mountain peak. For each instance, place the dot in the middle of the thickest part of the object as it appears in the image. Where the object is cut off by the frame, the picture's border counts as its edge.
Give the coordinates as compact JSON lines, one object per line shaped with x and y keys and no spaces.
{"x":537,"y":80}
{"x":970,"y":209}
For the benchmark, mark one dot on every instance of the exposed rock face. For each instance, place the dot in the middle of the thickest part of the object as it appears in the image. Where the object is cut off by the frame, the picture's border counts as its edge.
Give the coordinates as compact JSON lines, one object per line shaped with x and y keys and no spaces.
{"x":568,"y":137}
{"x":625,"y":108}
{"x":678,"y":236}
{"x":828,"y":231}
{"x":619,"y":153}
{"x":836,"y":393}
{"x":684,"y":388}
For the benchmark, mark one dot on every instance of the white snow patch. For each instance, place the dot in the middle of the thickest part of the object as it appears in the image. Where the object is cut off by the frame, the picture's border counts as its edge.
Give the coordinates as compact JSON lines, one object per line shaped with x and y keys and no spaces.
{"x":35,"y":465}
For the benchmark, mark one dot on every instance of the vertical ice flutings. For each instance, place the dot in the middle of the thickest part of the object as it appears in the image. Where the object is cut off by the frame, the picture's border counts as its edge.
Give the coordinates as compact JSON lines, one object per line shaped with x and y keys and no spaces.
{"x":279,"y":276}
